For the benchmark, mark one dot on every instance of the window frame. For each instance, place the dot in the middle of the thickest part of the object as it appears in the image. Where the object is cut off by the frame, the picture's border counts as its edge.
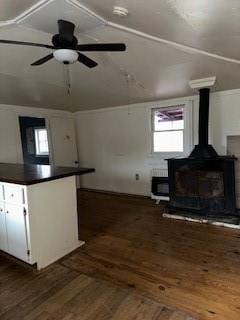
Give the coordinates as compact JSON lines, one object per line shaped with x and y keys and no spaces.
{"x":42,"y":154}
{"x":187,"y":131}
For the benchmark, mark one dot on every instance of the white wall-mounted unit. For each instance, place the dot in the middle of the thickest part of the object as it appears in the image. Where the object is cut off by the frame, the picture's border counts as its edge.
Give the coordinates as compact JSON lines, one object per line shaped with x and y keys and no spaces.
{"x":160,"y":184}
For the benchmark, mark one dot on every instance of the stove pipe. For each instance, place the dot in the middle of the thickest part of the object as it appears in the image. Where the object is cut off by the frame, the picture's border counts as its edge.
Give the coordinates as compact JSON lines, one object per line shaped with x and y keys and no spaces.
{"x":203,"y":149}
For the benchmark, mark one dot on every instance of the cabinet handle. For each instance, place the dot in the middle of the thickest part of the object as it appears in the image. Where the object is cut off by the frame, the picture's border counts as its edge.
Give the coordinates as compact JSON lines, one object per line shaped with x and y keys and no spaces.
{"x":7,"y":212}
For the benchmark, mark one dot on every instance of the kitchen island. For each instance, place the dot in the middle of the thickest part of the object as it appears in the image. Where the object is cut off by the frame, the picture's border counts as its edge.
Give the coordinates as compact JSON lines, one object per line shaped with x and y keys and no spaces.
{"x":38,"y":212}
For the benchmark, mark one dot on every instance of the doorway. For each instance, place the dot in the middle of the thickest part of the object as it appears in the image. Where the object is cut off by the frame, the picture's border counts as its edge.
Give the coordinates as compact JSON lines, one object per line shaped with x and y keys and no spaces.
{"x":34,"y":137}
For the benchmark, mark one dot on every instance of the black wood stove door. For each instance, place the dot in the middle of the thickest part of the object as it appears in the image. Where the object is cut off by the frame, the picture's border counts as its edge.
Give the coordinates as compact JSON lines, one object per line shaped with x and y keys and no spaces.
{"x":207,"y":186}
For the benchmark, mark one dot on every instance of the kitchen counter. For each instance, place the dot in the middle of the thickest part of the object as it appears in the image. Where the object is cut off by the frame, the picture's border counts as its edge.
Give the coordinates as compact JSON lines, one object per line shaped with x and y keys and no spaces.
{"x":32,"y":174}
{"x":38,"y":212}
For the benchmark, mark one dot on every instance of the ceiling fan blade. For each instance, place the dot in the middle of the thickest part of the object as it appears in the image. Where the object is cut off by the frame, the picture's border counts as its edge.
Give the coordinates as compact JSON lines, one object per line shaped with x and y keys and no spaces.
{"x":42,"y":60}
{"x":102,"y":47}
{"x":21,"y":43}
{"x":86,"y":61}
{"x":66,"y":30}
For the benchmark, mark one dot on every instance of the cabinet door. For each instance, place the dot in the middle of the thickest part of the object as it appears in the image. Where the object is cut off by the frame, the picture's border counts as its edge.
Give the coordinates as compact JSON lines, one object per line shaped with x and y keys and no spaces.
{"x":1,"y":192}
{"x":17,"y":232}
{"x":14,"y":194}
{"x":3,"y":230}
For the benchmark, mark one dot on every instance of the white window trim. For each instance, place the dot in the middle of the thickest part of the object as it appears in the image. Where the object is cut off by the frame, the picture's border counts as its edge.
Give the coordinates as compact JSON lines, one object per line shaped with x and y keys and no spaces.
{"x":42,"y":154}
{"x":187,"y":133}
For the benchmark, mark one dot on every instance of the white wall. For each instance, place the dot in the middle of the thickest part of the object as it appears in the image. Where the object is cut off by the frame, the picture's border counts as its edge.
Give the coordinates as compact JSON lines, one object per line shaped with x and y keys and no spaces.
{"x":117,"y":141}
{"x":10,"y":139}
{"x":224,"y":118}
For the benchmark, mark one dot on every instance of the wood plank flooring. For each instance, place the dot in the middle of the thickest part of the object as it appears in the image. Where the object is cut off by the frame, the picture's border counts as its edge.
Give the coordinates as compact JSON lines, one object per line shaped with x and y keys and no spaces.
{"x":193,"y":267}
{"x":135,"y":266}
{"x":61,"y":293}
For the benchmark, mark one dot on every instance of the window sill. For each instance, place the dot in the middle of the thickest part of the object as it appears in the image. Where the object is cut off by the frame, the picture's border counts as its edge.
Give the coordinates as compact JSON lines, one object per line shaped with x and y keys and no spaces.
{"x":41,"y":155}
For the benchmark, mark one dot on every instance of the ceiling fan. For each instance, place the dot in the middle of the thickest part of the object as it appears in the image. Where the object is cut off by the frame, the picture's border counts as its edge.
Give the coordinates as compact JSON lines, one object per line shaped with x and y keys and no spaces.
{"x":66,"y":47}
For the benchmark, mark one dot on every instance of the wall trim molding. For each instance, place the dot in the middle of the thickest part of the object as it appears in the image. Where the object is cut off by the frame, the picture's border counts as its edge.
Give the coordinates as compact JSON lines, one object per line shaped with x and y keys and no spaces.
{"x":162,"y":102}
{"x":150,"y":104}
{"x":28,"y":110}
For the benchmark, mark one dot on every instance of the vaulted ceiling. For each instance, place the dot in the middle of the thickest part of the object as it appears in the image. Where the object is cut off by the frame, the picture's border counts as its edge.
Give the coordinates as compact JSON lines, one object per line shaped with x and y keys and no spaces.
{"x":169,"y":42}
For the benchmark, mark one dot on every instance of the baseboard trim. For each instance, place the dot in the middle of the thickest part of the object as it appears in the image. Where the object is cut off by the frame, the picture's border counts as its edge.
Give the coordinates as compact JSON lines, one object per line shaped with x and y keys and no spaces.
{"x":115,"y":193}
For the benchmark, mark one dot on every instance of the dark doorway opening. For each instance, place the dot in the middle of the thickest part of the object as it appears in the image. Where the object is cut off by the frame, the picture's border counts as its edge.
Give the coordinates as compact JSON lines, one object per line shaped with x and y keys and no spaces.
{"x":34,"y":140}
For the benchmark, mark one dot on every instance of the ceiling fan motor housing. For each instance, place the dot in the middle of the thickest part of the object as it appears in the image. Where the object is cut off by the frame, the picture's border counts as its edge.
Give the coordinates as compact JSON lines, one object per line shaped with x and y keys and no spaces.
{"x":60,"y":41}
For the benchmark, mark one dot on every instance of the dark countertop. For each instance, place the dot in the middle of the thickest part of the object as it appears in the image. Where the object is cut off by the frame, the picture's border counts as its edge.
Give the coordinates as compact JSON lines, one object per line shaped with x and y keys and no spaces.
{"x":32,"y":174}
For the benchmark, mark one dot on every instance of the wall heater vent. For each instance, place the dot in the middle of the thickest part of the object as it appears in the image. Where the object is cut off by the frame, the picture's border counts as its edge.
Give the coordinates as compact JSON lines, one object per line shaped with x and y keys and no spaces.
{"x":159,"y":184}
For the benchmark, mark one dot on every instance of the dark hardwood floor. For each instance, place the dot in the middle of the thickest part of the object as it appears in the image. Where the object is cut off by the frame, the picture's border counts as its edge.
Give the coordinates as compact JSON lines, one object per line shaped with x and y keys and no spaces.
{"x":61,"y":293}
{"x":193,"y":267}
{"x":135,"y":266}
{"x":68,"y":291}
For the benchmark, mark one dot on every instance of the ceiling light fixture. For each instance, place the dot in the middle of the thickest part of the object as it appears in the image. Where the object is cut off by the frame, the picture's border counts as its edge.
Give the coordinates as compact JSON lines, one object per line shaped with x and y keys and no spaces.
{"x":65,"y":56}
{"x":120,"y":11}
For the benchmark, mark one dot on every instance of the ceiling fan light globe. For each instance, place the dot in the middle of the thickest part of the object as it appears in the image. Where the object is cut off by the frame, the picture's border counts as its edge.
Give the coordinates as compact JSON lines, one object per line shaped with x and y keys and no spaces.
{"x":65,"y":56}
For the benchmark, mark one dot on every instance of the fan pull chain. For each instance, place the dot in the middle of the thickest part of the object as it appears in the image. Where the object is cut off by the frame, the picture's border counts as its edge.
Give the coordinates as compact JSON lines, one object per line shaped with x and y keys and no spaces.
{"x":67,"y":78}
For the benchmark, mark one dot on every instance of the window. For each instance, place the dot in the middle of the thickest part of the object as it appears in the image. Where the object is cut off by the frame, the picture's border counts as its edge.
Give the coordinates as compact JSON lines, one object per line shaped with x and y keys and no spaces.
{"x":41,"y":142}
{"x":168,"y":129}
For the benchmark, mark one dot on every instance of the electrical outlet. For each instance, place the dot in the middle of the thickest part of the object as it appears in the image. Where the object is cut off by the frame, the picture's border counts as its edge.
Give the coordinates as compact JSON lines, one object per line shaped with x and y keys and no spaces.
{"x":137,"y":176}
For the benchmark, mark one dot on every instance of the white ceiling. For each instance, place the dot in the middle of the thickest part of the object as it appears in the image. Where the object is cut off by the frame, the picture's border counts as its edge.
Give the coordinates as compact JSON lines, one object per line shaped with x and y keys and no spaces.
{"x":157,"y":70}
{"x":12,"y":8}
{"x":213,"y":25}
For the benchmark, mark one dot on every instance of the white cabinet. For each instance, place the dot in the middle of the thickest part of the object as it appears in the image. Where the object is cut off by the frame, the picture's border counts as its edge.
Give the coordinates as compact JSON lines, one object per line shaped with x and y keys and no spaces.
{"x":17,"y":232}
{"x":3,"y":229}
{"x":38,"y":223}
{"x":14,"y":221}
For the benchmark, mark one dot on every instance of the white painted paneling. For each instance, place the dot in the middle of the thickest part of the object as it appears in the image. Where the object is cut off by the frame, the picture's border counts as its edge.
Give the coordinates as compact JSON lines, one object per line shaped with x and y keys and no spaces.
{"x":64,"y":141}
{"x":116,"y":141}
{"x":11,"y":8}
{"x":165,"y":75}
{"x":10,"y":139}
{"x":45,"y":17}
{"x":224,"y":118}
{"x":185,"y":40}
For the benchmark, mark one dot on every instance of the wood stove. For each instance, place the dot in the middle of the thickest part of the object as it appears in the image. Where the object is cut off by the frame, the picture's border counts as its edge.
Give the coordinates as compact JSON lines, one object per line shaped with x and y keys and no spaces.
{"x":204,"y":183}
{"x":202,"y":186}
